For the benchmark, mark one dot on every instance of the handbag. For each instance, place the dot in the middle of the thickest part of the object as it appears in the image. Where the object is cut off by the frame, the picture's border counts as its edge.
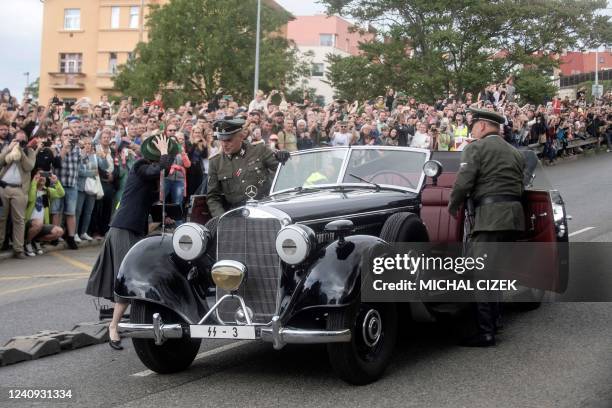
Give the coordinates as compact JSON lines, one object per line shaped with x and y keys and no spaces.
{"x":542,"y":138}
{"x":91,"y":187}
{"x":99,"y":189}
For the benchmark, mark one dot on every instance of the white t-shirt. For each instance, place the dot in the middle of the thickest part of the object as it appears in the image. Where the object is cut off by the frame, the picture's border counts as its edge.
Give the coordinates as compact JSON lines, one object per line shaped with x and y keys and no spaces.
{"x":341,"y":139}
{"x":38,"y":210}
{"x":261,"y":105}
{"x":12,"y":175}
{"x":420,"y":140}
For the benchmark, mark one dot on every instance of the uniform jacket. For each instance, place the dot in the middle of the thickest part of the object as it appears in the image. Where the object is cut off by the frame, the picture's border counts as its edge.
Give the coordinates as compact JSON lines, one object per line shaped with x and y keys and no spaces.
{"x":229,"y":176}
{"x":490,"y":166}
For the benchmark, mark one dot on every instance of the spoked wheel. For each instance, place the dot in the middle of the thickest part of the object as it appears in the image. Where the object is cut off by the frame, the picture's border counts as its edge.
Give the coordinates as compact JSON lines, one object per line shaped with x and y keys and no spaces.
{"x":175,"y":354}
{"x":373,"y":336}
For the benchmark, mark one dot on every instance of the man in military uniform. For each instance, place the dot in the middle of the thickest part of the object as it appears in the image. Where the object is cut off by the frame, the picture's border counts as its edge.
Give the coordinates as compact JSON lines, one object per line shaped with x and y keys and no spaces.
{"x":491,"y":174}
{"x":239,"y":168}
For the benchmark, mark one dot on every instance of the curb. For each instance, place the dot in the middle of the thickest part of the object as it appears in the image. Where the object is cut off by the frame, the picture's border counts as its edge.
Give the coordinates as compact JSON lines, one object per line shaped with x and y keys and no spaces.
{"x":49,"y":342}
{"x":4,"y":255}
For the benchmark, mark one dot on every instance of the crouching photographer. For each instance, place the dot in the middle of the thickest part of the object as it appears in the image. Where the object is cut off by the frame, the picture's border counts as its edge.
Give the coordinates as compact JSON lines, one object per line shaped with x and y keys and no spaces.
{"x":44,"y":187}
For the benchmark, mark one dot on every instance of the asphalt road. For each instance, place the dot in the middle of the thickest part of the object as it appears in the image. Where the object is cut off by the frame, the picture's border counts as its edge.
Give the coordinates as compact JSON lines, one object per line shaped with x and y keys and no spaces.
{"x":557,"y":356}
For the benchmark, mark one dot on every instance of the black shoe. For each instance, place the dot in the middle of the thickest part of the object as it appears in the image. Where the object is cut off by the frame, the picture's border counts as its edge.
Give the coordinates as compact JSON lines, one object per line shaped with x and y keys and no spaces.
{"x":55,"y":242}
{"x":71,"y":243}
{"x":115,"y":344}
{"x":480,"y":340}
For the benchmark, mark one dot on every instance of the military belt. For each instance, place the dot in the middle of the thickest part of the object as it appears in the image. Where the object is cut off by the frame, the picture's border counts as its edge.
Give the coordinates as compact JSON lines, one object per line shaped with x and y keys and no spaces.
{"x":500,"y":198}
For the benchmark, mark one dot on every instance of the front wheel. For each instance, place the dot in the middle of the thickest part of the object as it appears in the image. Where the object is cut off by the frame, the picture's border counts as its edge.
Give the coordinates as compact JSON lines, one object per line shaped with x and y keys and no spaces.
{"x":175,"y":354}
{"x":373,"y":336}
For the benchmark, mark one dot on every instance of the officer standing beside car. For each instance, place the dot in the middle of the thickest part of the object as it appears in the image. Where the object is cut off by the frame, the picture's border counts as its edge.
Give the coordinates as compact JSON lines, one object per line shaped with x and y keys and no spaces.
{"x":491,"y":175}
{"x":240,"y":171}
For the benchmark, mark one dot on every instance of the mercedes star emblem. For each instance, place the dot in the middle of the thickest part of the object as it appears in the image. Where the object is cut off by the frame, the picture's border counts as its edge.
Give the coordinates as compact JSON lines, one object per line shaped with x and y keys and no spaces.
{"x":251,"y":192}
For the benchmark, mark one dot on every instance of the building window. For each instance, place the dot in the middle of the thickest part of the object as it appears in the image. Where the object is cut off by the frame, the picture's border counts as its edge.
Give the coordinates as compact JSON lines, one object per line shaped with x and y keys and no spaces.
{"x":115,"y":16}
{"x":601,"y":60}
{"x":326,"y":40}
{"x":71,"y":63}
{"x":318,"y":70}
{"x":134,"y":17}
{"x":112,"y":63}
{"x":72,"y":19}
{"x":130,"y":56}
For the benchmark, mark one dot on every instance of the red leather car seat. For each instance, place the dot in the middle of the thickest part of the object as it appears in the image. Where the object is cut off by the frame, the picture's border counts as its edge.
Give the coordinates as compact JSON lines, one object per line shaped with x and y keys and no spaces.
{"x":434,"y":199}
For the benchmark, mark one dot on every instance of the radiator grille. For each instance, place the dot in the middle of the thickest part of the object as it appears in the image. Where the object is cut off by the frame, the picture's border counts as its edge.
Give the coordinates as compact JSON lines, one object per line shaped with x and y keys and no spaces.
{"x":251,"y":241}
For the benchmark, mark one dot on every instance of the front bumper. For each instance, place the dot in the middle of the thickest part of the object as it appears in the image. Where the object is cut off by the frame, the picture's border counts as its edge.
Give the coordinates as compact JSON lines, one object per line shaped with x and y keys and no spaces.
{"x":274,"y":333}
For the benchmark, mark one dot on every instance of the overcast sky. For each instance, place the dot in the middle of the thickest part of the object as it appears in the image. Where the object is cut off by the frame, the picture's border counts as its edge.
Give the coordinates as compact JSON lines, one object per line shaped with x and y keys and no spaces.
{"x":20,"y":32}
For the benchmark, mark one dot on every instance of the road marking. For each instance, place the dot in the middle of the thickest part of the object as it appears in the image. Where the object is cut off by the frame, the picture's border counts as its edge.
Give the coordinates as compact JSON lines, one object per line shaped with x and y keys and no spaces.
{"x":7,"y":292}
{"x":580,"y":231}
{"x":202,"y":355}
{"x":59,"y":275}
{"x":72,"y":261}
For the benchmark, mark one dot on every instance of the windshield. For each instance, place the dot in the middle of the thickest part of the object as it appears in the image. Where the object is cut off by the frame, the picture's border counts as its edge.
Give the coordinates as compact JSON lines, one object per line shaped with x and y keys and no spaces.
{"x":397,"y":167}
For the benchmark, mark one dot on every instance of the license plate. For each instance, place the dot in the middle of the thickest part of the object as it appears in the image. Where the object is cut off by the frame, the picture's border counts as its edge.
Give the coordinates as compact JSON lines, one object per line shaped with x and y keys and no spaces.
{"x":205,"y":331}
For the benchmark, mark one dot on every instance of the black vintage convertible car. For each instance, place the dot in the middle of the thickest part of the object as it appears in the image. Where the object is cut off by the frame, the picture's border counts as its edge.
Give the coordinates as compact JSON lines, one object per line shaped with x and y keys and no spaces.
{"x":287,"y":269}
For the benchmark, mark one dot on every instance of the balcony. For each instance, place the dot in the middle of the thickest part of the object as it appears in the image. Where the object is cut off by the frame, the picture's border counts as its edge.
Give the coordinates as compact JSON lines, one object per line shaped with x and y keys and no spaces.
{"x":67,"y":80}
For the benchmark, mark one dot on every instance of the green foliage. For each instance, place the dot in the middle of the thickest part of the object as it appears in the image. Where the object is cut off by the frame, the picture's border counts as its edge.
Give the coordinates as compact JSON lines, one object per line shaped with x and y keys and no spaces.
{"x":534,"y":86}
{"x":197,"y":46}
{"x":33,"y":88}
{"x":430,"y":48}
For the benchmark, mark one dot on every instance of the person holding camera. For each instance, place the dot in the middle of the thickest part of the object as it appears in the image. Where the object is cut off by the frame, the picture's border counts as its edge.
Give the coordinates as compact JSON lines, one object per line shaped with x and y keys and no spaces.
{"x":44,"y":187}
{"x":68,"y":173}
{"x":16,"y":162}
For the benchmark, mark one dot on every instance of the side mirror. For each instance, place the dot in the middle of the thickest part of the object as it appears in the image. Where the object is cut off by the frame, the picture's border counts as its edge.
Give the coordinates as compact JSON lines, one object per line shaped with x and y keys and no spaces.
{"x":340,"y":228}
{"x":433,"y":169}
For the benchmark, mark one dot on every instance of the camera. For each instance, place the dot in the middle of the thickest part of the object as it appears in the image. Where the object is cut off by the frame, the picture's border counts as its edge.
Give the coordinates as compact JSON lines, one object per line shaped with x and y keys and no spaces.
{"x":47,"y":143}
{"x":45,"y":174}
{"x":23,"y":143}
{"x":73,"y":142}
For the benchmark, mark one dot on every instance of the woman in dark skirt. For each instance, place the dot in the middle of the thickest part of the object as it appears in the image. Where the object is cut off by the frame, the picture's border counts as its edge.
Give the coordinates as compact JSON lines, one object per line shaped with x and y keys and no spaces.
{"x":130,"y":223}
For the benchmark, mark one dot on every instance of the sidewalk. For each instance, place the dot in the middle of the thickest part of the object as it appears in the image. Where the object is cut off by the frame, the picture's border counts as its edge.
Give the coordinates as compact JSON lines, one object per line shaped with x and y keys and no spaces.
{"x":50,"y":248}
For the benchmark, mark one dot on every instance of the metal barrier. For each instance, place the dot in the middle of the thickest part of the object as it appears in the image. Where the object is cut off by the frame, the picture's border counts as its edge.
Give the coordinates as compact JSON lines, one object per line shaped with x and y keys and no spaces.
{"x":536,"y":147}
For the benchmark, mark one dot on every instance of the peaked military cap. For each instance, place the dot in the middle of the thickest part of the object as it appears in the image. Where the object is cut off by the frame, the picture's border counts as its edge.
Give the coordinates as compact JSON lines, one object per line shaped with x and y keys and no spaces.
{"x":483,"y":114}
{"x":228,"y":127}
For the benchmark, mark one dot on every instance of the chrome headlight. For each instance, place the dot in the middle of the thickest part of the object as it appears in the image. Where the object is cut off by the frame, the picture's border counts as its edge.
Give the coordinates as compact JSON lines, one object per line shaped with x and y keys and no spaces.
{"x":432,"y":168}
{"x":190,"y":241}
{"x":294,"y":243}
{"x":228,"y":275}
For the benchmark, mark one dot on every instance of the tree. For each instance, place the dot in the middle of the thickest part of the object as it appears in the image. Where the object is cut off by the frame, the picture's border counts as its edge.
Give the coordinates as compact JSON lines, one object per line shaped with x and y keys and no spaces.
{"x":431,"y":48}
{"x":33,"y":88}
{"x":534,"y":86}
{"x":197,"y":46}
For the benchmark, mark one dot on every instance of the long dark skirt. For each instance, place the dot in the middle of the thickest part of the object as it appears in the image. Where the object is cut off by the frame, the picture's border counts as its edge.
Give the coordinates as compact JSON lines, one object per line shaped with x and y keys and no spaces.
{"x":116,"y":245}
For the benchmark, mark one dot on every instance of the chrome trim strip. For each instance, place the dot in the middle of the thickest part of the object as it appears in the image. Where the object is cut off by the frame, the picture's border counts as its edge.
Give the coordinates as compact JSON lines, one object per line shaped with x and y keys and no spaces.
{"x":363,"y":214}
{"x":280,"y":336}
{"x":160,"y":333}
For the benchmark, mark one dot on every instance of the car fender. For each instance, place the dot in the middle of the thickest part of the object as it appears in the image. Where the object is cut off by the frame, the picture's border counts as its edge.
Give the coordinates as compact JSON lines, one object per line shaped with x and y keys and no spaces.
{"x":150,"y":272}
{"x":334,"y":278}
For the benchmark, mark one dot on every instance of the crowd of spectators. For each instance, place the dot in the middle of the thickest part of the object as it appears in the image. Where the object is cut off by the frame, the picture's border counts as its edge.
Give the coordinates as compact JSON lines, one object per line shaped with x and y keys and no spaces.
{"x":63,"y":166}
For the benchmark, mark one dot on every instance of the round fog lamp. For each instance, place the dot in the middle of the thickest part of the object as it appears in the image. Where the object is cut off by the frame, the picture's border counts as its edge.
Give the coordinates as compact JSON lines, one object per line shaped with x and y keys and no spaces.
{"x":228,"y":275}
{"x":190,"y":241}
{"x":432,"y":168}
{"x":294,"y":243}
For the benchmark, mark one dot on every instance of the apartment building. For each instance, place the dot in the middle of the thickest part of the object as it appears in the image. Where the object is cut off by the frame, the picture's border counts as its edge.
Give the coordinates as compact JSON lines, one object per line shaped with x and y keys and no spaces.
{"x":84,"y":41}
{"x":322,"y":35}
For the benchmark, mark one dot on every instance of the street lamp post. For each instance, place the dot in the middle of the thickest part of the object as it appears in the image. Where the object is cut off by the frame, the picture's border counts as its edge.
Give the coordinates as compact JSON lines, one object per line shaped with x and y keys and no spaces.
{"x":256,"y":86}
{"x":27,"y":87}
